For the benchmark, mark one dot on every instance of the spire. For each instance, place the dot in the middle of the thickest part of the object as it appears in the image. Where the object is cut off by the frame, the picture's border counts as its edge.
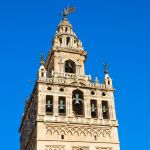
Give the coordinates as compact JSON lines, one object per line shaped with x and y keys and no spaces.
{"x":107,"y":79}
{"x":42,"y":60}
{"x":105,"y":68}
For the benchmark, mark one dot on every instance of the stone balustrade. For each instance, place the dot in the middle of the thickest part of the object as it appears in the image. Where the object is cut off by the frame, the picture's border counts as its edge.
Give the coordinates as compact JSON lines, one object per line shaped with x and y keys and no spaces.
{"x":77,"y":120}
{"x":70,"y":75}
{"x":61,"y":78}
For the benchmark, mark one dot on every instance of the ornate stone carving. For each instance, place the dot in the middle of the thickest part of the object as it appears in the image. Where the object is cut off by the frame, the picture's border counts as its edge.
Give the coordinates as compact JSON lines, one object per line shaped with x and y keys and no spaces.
{"x":82,"y":132}
{"x":55,"y":147}
{"x":103,"y":148}
{"x":79,"y":148}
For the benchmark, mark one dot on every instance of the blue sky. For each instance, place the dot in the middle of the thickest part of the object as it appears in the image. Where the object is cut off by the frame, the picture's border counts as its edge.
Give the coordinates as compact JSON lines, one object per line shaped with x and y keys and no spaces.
{"x":115,"y":31}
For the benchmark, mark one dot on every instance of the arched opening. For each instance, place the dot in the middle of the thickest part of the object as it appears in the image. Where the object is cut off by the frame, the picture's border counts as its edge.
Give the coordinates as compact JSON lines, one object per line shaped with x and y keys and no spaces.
{"x":103,"y":94}
{"x":62,"y":105}
{"x":78,"y":103}
{"x":60,"y":40}
{"x":93,"y":108}
{"x":70,"y":66}
{"x":42,"y":74}
{"x":66,"y":29}
{"x":67,"y":40}
{"x":49,"y":104}
{"x":62,"y":137}
{"x":105,"y":110}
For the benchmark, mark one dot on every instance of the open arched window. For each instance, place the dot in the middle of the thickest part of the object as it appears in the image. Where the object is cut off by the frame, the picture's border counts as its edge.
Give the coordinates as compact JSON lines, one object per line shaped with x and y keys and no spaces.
{"x":70,"y":66}
{"x":78,"y":103}
{"x":67,"y":40}
{"x":60,"y":40}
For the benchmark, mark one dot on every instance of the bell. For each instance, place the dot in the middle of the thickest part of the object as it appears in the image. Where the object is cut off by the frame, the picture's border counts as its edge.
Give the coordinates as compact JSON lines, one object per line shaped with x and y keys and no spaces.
{"x":61,"y":106}
{"x":49,"y":104}
{"x":77,"y":99}
{"x":77,"y":102}
{"x":104,"y":109}
{"x":93,"y":109}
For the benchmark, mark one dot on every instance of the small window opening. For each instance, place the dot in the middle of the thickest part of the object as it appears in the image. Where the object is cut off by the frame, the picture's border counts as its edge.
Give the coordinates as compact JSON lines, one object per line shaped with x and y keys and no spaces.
{"x":42,"y":74}
{"x":103,"y":94}
{"x":61,"y":89}
{"x":49,"y":104}
{"x":49,"y":88}
{"x":105,"y":109}
{"x":93,"y":108}
{"x":67,"y":40}
{"x":70,"y":66}
{"x":62,"y":105}
{"x":95,"y":137}
{"x":66,"y":29}
{"x":108,"y":82}
{"x":75,"y":41}
{"x":60,"y":40}
{"x":92,"y":93}
{"x":62,"y":137}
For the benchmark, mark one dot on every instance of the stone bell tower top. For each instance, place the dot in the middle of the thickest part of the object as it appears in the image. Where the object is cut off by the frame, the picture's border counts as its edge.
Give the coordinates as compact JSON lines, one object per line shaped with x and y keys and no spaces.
{"x":66,"y":47}
{"x":65,"y":37}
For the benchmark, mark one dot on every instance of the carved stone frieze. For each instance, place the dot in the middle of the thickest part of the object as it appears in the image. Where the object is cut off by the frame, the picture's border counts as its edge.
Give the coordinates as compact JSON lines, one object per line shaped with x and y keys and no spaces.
{"x":81,"y":131}
{"x":55,"y":147}
{"x":80,"y":148}
{"x":103,"y":148}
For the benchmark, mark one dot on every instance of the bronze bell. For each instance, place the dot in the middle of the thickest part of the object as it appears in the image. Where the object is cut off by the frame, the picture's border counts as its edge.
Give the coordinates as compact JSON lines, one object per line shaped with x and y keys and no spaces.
{"x":49,"y":104}
{"x":61,"y":106}
{"x":93,"y":109}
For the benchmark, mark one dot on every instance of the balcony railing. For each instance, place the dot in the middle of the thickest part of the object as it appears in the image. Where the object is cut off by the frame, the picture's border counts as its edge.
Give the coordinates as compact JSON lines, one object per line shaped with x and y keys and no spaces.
{"x":61,"y":77}
{"x":70,"y":75}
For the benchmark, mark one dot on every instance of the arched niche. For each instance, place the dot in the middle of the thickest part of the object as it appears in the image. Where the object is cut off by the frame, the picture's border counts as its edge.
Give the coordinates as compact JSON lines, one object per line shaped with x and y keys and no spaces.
{"x":70,"y":66}
{"x":68,"y":39}
{"x":78,"y":103}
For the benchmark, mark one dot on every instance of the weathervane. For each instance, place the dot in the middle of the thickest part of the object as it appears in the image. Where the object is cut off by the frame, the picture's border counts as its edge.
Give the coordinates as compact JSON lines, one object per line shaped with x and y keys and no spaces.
{"x":68,"y":11}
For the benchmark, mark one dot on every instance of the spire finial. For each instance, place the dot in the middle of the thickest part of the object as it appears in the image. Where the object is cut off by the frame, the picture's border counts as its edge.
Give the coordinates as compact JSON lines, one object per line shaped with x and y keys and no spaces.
{"x":42,"y":60}
{"x":67,"y":11}
{"x":96,"y":80}
{"x":106,"y":65}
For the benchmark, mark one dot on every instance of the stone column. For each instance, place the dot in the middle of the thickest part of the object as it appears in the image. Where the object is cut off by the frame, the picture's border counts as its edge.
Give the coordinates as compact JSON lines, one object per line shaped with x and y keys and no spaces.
{"x":112,"y":112}
{"x":61,"y":65}
{"x":78,"y":69}
{"x":64,"y":41}
{"x":100,"y":114}
{"x":69,"y":111}
{"x":87,"y":108}
{"x":41,"y":104}
{"x":55,"y":105}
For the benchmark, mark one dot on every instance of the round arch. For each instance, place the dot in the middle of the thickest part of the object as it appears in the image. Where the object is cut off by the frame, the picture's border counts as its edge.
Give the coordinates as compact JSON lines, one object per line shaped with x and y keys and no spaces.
{"x":70,"y":66}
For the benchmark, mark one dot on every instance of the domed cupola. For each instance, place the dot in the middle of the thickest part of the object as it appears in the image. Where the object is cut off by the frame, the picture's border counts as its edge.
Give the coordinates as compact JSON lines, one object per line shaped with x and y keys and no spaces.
{"x":65,"y":37}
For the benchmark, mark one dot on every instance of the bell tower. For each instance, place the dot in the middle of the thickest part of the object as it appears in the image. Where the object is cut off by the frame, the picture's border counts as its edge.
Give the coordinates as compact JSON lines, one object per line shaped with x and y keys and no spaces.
{"x":66,"y":110}
{"x":67,"y":53}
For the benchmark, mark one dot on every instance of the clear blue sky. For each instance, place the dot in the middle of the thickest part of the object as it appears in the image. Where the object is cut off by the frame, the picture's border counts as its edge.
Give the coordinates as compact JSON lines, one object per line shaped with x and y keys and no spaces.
{"x":117,"y":31}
